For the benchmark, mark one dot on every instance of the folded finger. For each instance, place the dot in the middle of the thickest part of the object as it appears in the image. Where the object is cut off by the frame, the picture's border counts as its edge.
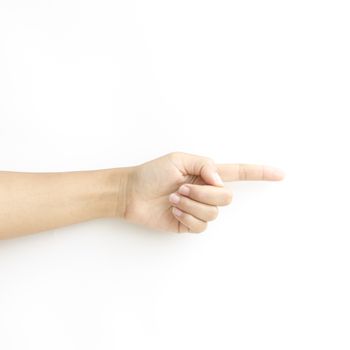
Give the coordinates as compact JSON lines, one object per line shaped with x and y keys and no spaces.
{"x":207,"y":194}
{"x":199,"y":210}
{"x":193,"y":224}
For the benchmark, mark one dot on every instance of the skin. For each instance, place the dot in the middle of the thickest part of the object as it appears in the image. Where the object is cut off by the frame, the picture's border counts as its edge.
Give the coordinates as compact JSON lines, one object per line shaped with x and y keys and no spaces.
{"x":178,"y":192}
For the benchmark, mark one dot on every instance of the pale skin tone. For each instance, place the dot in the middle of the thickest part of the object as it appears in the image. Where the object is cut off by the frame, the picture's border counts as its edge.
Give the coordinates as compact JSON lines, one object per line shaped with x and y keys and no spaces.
{"x":178,"y":192}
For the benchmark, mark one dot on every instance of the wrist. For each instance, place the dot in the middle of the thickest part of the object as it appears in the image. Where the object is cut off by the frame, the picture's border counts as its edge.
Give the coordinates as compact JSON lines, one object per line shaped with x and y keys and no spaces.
{"x":115,"y":190}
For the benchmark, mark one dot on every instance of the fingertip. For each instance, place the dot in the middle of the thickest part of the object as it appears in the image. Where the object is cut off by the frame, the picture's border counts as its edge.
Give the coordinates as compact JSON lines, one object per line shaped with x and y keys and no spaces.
{"x":184,"y":190}
{"x":177,"y":212}
{"x":282,"y":177}
{"x":276,"y":174}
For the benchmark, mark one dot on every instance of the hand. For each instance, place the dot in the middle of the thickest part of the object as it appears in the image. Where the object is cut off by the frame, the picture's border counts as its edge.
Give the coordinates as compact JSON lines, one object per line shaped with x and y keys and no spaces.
{"x":181,"y":192}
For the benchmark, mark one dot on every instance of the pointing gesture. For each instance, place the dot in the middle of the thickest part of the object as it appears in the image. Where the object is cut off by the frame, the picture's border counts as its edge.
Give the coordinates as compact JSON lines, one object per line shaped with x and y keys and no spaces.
{"x":181,"y":192}
{"x":206,"y":168}
{"x":178,"y":192}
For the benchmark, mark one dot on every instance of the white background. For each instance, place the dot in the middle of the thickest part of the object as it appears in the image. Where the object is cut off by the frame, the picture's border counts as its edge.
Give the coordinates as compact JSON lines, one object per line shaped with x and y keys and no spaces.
{"x":100,"y":84}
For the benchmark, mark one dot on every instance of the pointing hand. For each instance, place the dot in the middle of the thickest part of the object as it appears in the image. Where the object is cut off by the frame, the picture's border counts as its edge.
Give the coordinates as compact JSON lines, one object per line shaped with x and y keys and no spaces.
{"x":181,"y":192}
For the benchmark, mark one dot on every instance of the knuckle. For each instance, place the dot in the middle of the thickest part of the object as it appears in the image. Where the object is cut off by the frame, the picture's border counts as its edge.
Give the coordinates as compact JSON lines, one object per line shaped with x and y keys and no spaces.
{"x":177,"y":155}
{"x":193,"y":190}
{"x":209,"y":160}
{"x":213,"y":214}
{"x":228,"y":196}
{"x":174,"y":155}
{"x":200,"y":227}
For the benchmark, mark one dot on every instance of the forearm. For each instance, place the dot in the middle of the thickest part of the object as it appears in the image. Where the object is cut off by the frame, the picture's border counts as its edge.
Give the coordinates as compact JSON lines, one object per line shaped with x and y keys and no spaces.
{"x":33,"y":202}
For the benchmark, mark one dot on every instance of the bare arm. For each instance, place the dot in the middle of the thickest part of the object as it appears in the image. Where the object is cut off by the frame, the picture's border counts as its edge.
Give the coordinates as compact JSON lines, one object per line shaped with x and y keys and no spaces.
{"x":33,"y":202}
{"x":178,"y":192}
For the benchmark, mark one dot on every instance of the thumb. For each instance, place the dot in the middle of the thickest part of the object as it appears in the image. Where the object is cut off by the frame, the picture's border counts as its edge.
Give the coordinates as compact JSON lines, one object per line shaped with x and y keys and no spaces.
{"x":190,"y":164}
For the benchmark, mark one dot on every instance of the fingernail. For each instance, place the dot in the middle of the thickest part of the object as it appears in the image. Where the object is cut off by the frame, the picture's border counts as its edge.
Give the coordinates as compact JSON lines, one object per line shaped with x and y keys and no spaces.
{"x":174,"y":198}
{"x":185,"y":190}
{"x":217,"y":179}
{"x":177,"y":212}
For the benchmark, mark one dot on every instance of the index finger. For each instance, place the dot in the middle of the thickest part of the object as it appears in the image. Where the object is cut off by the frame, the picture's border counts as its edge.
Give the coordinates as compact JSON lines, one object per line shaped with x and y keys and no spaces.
{"x":243,"y":172}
